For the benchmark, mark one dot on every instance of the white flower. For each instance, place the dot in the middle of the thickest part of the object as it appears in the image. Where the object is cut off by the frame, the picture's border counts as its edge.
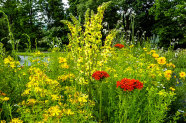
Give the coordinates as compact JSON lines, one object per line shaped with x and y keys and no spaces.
{"x":181,"y":111}
{"x":105,"y":23}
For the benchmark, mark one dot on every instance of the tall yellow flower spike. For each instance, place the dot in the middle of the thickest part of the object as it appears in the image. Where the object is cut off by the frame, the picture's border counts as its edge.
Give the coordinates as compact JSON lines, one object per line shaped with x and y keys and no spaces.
{"x":86,"y":44}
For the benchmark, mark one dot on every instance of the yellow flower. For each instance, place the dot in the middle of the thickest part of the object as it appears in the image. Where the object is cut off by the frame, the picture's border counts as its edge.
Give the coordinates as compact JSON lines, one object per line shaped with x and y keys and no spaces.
{"x":145,"y":49}
{"x":45,"y":64}
{"x":83,"y":98}
{"x":173,"y":89}
{"x":168,"y":74}
{"x":115,"y":75}
{"x":31,"y":101}
{"x":54,"y":111}
{"x":26,"y":92}
{"x":62,"y":60}
{"x":171,"y":93}
{"x":170,"y":65}
{"x":82,"y":81}
{"x":152,"y":51}
{"x":182,"y":74}
{"x":3,"y":121}
{"x":46,"y":101}
{"x":38,"y":53}
{"x":17,"y":62}
{"x":16,"y":120}
{"x":23,"y":102}
{"x":38,"y":89}
{"x":161,"y":60}
{"x":24,"y":73}
{"x":131,"y":46}
{"x":155,"y":55}
{"x":8,"y":60}
{"x":54,"y":97}
{"x":5,"y":98}
{"x":68,"y":111}
{"x":12,"y":64}
{"x":64,"y":66}
{"x":151,"y":66}
{"x":162,"y":93}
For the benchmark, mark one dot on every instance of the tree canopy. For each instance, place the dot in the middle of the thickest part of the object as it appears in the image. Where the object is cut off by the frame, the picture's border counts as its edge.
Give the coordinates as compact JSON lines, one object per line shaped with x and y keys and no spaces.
{"x":40,"y":19}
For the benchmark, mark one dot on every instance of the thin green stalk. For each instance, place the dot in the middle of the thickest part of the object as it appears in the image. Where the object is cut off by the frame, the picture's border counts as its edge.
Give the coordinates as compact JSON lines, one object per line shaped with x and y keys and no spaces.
{"x":36,"y":43}
{"x":120,"y":111}
{"x":10,"y":33}
{"x":100,"y":104}
{"x":29,"y":42}
{"x":132,"y":28}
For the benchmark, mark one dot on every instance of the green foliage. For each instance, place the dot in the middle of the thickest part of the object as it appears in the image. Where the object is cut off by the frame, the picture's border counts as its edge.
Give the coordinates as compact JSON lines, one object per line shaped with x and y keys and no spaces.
{"x":32,"y":17}
{"x":50,"y":91}
{"x":2,"y":51}
{"x":170,"y":21}
{"x":79,"y":7}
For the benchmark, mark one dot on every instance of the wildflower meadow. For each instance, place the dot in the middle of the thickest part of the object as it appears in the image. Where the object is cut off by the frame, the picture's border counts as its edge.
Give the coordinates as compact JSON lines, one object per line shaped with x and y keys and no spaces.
{"x":93,"y":81}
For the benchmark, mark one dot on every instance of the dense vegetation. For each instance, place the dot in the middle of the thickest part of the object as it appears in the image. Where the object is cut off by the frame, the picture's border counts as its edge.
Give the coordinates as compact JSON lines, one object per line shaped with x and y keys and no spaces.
{"x":105,"y":65}
{"x":160,"y":21}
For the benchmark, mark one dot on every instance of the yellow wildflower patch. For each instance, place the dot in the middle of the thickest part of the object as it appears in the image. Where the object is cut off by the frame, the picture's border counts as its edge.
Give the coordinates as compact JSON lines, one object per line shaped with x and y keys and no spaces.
{"x":161,"y":60}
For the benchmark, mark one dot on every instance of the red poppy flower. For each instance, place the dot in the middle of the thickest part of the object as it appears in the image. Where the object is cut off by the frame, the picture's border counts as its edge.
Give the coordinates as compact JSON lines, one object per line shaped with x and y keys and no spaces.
{"x":129,"y":84}
{"x":98,"y":75}
{"x":119,"y":46}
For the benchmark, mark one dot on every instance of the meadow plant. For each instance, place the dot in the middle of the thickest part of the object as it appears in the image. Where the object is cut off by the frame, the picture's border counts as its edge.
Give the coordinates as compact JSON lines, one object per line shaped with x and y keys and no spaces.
{"x":93,"y":81}
{"x":2,"y":51}
{"x":29,"y":42}
{"x":11,"y":36}
{"x":85,"y":43}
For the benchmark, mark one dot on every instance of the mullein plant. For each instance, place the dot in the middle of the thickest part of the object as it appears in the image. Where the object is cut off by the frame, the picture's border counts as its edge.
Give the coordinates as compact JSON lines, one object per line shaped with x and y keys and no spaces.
{"x":85,"y":43}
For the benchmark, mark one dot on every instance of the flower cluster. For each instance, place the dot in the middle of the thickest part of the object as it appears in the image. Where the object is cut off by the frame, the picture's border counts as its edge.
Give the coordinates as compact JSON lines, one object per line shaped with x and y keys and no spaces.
{"x":16,"y":120}
{"x":161,"y":60}
{"x":98,"y":75}
{"x":38,"y":53}
{"x":11,"y":62}
{"x":155,"y":55}
{"x":129,"y":84}
{"x":168,"y":74}
{"x":65,"y":77}
{"x":170,"y":65}
{"x":119,"y":46}
{"x":3,"y":96}
{"x":62,"y":60}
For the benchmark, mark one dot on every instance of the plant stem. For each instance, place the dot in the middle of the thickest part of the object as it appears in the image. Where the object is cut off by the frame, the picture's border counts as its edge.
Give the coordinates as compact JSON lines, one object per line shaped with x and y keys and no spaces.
{"x":100,"y":104}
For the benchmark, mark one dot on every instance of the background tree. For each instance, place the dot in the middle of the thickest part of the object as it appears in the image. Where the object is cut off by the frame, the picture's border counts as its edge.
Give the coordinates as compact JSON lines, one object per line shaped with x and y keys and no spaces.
{"x":34,"y":18}
{"x":40,"y":19}
{"x":170,"y":21}
{"x":78,"y":8}
{"x":53,"y":12}
{"x":22,"y":15}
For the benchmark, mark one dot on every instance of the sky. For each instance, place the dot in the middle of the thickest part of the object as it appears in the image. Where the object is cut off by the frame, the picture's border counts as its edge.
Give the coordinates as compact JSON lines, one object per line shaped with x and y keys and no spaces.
{"x":66,"y":3}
